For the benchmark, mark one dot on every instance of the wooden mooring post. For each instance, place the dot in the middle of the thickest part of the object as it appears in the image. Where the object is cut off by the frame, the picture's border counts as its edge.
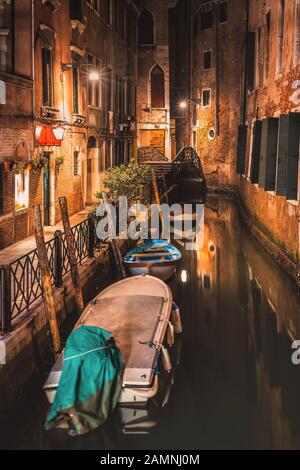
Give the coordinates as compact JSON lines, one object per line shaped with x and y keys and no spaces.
{"x":117,"y":255}
{"x":71,"y":252}
{"x":46,"y":278}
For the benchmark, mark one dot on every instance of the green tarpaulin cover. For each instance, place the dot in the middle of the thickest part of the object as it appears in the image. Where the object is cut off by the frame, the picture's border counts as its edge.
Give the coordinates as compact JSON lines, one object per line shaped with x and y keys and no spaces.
{"x":91,"y":381}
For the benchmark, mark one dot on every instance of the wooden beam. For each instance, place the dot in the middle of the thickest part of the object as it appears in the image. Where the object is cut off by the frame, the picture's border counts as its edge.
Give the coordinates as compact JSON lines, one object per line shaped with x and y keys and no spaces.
{"x":71,"y":252}
{"x":46,"y":278}
{"x":121,"y":270}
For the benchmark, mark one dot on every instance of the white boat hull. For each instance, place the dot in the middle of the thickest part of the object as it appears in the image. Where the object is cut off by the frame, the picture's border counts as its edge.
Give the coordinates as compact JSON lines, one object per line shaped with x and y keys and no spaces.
{"x":161,"y":272}
{"x":115,"y":310}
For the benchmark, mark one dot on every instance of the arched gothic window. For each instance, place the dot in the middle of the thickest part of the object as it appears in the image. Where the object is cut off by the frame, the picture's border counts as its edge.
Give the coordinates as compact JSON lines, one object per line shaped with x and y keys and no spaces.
{"x":157,"y":88}
{"x":146,"y":28}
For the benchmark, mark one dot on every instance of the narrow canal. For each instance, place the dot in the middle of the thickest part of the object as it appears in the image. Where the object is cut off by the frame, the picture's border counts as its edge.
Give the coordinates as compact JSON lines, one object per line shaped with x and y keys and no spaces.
{"x":234,"y":386}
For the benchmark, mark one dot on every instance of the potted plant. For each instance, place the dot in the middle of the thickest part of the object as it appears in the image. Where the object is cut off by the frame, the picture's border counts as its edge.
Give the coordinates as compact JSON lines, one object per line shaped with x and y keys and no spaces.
{"x":35,"y":164}
{"x":126,"y":180}
{"x":59,"y":161}
{"x":28,"y":166}
{"x":7,"y":163}
{"x":19,"y":167}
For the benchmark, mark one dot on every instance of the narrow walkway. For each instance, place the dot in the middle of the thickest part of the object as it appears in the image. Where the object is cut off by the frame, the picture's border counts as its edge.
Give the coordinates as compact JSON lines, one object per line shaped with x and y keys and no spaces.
{"x":10,"y":254}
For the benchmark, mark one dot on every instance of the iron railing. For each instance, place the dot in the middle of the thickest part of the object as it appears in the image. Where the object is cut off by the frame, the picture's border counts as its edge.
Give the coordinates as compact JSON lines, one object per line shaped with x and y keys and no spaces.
{"x":20,"y":281}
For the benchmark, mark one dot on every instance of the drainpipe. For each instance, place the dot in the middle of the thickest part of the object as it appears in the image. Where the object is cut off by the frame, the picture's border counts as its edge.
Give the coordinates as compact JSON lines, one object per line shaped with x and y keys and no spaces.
{"x":246,"y":65}
{"x":217,"y":107}
{"x":32,"y":57}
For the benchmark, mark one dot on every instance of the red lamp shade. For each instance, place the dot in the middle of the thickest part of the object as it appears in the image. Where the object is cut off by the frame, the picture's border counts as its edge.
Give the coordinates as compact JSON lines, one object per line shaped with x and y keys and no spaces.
{"x":45,"y":136}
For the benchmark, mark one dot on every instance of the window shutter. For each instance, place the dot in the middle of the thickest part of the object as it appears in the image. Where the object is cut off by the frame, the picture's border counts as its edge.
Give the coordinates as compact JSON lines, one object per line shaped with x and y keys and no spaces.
{"x":282,"y":156}
{"x":251,"y":60}
{"x":255,"y":157}
{"x":293,"y":156}
{"x":241,"y":150}
{"x":76,"y":10}
{"x":268,"y":157}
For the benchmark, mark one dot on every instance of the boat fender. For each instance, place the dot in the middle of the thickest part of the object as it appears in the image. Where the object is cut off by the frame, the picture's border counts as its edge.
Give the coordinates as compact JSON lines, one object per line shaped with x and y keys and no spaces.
{"x":176,"y":319}
{"x":170,"y":335}
{"x":166,"y":359}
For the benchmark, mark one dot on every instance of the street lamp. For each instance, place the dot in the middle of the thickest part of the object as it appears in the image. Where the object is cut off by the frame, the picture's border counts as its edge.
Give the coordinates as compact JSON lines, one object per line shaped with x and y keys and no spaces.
{"x":184,"y":103}
{"x":93,"y":75}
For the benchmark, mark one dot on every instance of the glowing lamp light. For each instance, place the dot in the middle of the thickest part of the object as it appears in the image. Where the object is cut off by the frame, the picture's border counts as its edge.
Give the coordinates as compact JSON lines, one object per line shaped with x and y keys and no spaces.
{"x":38,"y":131}
{"x":183,"y":104}
{"x":94,"y":76}
{"x":184,"y":276}
{"x":59,"y":133}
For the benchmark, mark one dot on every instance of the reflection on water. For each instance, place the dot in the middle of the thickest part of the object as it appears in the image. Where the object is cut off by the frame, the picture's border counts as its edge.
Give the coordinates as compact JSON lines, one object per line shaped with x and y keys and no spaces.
{"x":235,"y":386}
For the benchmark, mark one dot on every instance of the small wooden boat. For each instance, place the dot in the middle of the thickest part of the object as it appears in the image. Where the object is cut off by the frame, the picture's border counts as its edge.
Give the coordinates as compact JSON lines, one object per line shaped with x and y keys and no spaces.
{"x":136,"y":311}
{"x":153,"y":257}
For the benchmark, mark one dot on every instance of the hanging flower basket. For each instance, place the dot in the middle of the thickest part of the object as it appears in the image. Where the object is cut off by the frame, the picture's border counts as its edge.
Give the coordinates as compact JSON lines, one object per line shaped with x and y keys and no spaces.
{"x":59,"y":162}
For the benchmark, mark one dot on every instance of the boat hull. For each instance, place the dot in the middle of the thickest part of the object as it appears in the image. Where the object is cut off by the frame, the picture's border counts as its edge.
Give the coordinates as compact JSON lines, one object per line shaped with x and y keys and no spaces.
{"x":161,"y":271}
{"x":135,"y":321}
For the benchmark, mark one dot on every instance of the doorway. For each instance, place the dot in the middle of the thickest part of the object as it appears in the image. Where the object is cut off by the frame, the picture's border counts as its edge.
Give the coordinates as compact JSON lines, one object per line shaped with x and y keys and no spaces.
{"x":46,"y":189}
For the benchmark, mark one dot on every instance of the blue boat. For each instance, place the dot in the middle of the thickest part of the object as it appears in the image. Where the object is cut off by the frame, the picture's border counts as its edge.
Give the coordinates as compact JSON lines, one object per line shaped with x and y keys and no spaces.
{"x":157,"y":258}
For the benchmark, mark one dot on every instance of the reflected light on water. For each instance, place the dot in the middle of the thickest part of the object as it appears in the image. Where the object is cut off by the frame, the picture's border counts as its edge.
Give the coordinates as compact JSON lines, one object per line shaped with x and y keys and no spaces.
{"x":184,"y":276}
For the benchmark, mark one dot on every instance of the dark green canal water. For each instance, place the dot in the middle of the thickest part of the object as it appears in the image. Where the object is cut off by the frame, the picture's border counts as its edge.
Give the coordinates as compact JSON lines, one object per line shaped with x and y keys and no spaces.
{"x":234,"y":384}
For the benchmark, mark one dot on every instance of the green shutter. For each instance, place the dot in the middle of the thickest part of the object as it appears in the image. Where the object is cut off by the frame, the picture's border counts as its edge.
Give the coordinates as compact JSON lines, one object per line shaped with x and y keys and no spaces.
{"x":282,"y":156}
{"x":255,"y":157}
{"x":250,"y":59}
{"x":241,"y":149}
{"x":293,"y":156}
{"x":288,"y":156}
{"x":268,"y":155}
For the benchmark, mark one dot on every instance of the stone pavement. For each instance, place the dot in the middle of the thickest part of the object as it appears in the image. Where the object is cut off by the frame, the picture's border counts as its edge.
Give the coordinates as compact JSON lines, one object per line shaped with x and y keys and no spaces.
{"x":16,"y":251}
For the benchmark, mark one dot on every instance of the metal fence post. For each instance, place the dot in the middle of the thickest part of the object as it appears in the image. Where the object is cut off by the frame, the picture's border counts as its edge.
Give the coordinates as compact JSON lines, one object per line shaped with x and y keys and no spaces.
{"x":5,"y":299}
{"x":58,"y":258}
{"x":91,"y":237}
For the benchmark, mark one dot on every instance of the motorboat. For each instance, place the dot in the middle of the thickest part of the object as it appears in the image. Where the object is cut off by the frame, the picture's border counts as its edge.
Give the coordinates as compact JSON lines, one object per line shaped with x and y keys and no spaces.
{"x":137,"y":312}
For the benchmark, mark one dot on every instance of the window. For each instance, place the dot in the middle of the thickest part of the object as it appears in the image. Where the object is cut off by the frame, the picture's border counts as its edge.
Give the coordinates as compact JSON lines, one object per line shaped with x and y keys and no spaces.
{"x":207,"y":20}
{"x":75,"y":76}
{"x":206,"y":98}
{"x":267,"y":51}
{"x":108,"y":154}
{"x":6,"y":36}
{"x":146,"y":28}
{"x":97,"y":85}
{"x":280,"y":36}
{"x":223,"y":7}
{"x":207,"y":60}
{"x":21,"y":190}
{"x":116,"y":15}
{"x":76,"y":164}
{"x":108,"y":11}
{"x":94,"y":86}
{"x":47,"y":67}
{"x":258,"y":57}
{"x":108,"y":89}
{"x":195,"y":26}
{"x":90,"y":83}
{"x":268,"y":155}
{"x":157,"y":88}
{"x":76,"y":10}
{"x":95,"y":4}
